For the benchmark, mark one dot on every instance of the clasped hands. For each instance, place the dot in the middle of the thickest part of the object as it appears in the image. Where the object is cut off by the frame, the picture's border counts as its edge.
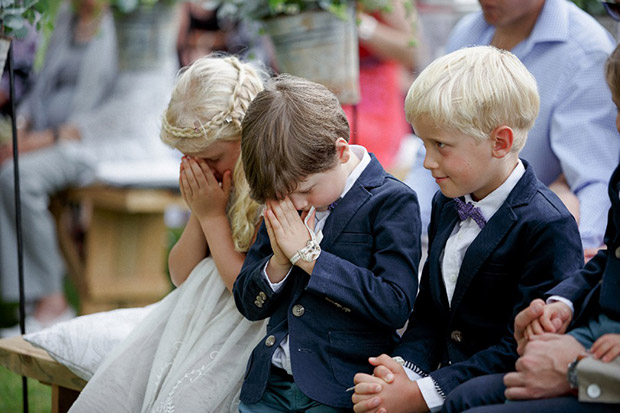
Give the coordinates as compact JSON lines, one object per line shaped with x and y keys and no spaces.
{"x":546,"y":351}
{"x":287,"y":234}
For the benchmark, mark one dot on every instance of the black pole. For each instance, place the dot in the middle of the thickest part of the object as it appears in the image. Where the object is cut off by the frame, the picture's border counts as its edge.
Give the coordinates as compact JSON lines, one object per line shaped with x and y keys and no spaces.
{"x":18,"y":219}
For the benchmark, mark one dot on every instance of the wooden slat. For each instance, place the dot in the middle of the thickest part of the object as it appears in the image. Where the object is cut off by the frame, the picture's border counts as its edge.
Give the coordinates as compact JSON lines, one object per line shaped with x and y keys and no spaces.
{"x":130,"y":200}
{"x":24,"y":359}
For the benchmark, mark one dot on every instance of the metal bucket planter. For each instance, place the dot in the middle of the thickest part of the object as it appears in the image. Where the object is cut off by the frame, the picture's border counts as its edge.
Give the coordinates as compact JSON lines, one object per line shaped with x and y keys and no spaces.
{"x":145,"y":37}
{"x":320,"y":47}
{"x":5,"y":43}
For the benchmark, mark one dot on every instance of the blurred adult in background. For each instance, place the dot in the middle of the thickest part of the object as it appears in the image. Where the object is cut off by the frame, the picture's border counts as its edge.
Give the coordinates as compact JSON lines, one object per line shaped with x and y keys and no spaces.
{"x":390,"y":52}
{"x":573,"y":147}
{"x":24,"y":50}
{"x":77,"y":76}
{"x":202,"y":31}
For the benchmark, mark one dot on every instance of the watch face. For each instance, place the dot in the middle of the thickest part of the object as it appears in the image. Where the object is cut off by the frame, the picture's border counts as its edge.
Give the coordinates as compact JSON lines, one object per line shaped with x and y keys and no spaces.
{"x":311,"y":251}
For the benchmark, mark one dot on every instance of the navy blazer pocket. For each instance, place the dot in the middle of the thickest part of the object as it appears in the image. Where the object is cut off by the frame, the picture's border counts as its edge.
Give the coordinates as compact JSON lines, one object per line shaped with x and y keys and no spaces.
{"x":355,"y":238}
{"x":349,"y":352}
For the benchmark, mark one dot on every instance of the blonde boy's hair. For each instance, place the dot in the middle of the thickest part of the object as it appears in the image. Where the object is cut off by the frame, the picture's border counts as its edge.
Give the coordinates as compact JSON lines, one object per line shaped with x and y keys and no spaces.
{"x":474,"y":90}
{"x":612,"y":73}
{"x":290,"y":132}
{"x":208,"y":104}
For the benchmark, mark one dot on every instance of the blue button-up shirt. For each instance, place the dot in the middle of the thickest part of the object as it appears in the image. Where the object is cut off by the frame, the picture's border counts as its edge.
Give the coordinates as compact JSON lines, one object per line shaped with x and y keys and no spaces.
{"x":575,"y":133}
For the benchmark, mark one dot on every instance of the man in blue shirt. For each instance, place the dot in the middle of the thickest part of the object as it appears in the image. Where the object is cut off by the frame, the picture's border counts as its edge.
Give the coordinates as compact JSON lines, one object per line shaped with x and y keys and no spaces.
{"x":573,"y":143}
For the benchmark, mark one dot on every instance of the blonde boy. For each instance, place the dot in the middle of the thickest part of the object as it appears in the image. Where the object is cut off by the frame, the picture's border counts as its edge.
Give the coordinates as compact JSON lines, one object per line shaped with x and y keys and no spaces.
{"x":337,"y":283}
{"x":498,"y":238}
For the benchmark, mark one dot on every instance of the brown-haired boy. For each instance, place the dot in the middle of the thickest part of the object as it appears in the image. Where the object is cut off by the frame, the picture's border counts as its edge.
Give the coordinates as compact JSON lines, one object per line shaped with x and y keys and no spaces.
{"x":337,"y":281}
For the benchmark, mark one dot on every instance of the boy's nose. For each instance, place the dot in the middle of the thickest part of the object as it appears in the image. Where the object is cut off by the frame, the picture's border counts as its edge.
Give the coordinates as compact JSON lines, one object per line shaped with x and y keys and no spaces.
{"x":429,"y":162}
{"x":299,"y":203}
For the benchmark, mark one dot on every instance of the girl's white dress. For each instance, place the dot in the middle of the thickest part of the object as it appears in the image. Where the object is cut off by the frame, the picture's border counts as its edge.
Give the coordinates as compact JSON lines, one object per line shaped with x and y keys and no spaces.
{"x":188,"y":355}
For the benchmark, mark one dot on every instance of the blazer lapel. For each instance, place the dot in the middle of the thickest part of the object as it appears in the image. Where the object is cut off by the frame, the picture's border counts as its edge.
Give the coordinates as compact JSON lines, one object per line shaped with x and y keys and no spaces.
{"x":481,"y":248}
{"x":493,"y":232}
{"x":448,"y":219}
{"x":347,"y":207}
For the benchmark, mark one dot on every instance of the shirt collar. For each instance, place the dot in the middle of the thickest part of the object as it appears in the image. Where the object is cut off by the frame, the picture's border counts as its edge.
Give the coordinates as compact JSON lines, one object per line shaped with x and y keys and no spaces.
{"x":364,"y":157}
{"x":491,"y":203}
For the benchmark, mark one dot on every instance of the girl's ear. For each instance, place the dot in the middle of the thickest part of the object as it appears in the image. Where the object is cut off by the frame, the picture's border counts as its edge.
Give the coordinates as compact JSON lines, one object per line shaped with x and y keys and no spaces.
{"x":343,"y":150}
{"x":502,"y":137}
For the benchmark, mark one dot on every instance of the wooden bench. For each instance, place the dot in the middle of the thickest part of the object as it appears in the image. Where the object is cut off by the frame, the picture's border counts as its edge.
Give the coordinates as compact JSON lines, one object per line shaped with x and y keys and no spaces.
{"x":123,"y":261}
{"x":26,"y":360}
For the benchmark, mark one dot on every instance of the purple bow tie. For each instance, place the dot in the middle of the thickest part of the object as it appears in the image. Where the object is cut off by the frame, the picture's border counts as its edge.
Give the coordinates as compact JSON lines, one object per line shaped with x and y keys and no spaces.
{"x":468,"y":210}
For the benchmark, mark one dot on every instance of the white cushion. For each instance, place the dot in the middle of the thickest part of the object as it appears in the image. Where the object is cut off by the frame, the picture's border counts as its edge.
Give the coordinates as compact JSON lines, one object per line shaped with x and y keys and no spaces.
{"x":82,"y":343}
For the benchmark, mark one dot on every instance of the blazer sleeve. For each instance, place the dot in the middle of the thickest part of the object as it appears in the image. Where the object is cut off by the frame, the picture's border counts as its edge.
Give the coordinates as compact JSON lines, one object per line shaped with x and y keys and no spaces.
{"x":577,"y":287}
{"x":419,"y":345}
{"x":385,"y":291}
{"x":551,"y":252}
{"x":254,"y":297}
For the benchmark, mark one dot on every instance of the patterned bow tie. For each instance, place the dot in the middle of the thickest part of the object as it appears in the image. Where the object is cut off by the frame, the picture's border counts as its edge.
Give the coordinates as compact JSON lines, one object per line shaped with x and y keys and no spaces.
{"x":468,"y":210}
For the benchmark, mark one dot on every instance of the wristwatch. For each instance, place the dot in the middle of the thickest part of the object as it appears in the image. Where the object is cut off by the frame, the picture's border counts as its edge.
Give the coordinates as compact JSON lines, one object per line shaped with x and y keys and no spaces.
{"x":312,"y":250}
{"x":309,"y":253}
{"x":571,"y":372}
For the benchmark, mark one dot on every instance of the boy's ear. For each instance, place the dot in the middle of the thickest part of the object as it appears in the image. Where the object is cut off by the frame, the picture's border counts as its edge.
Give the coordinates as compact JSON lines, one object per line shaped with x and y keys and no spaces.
{"x":502,"y":137}
{"x":343,"y":150}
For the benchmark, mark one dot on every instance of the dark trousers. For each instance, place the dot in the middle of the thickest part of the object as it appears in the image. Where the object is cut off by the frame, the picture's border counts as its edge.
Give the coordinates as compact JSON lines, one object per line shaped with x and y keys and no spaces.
{"x":283,"y":395}
{"x":485,"y":394}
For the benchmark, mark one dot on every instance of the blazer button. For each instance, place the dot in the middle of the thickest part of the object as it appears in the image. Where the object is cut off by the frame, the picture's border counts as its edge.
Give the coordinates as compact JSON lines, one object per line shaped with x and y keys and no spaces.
{"x":593,"y":391}
{"x":618,"y":252}
{"x":258,"y":304}
{"x":270,"y":341}
{"x":456,"y":336}
{"x":298,"y":310}
{"x":262,"y":295}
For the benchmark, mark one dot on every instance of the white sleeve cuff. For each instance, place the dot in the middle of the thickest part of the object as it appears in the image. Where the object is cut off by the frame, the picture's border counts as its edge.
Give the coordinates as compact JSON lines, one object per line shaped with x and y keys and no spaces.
{"x":274,"y":286}
{"x":413,"y":376}
{"x":433,"y":399}
{"x":555,"y":298}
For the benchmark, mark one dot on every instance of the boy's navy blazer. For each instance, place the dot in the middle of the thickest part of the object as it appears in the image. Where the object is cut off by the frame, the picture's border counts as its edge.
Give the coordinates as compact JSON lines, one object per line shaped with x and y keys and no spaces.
{"x":361,"y":290}
{"x":596,"y":288}
{"x":530,"y":244}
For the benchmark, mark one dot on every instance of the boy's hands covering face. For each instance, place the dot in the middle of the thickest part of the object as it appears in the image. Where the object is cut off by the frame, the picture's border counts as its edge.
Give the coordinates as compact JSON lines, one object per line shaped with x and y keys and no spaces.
{"x":201,"y":191}
{"x":287,"y":231}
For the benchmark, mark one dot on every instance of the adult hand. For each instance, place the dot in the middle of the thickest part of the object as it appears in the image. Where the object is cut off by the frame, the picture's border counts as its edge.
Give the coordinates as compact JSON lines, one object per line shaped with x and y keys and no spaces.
{"x":539,"y":318}
{"x":201,"y":191}
{"x":541,"y":371}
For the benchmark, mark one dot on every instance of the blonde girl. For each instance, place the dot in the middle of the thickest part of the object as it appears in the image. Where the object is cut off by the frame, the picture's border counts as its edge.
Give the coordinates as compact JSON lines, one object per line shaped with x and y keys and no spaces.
{"x":189,"y":354}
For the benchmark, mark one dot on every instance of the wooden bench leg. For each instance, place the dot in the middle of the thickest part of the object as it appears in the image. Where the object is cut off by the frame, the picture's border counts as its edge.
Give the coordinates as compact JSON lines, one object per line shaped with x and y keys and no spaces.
{"x":62,"y":398}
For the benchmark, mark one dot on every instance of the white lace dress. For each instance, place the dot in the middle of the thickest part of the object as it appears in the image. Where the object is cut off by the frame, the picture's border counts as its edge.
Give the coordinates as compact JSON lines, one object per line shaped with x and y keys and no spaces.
{"x":188,"y":355}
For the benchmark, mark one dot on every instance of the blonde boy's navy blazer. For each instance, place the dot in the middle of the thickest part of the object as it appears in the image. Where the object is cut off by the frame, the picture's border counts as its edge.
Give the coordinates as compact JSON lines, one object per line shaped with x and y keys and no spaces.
{"x":529,"y":245}
{"x":361,"y":290}
{"x":596,"y":288}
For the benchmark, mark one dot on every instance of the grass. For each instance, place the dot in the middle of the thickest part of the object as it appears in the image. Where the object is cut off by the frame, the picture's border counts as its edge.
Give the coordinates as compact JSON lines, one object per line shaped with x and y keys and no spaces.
{"x":39,"y":395}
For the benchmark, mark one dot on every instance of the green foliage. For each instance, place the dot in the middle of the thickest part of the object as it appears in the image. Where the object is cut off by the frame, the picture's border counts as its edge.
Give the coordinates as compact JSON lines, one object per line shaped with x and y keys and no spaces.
{"x":261,"y":9}
{"x":129,"y":6}
{"x":15,"y":14}
{"x":39,"y":395}
{"x":593,"y":7}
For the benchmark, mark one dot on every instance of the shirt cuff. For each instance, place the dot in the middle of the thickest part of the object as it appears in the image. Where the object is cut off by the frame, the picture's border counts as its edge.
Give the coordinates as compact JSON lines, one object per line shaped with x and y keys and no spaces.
{"x":431,"y":393}
{"x":413,"y":376}
{"x":555,"y":298}
{"x":275,"y":286}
